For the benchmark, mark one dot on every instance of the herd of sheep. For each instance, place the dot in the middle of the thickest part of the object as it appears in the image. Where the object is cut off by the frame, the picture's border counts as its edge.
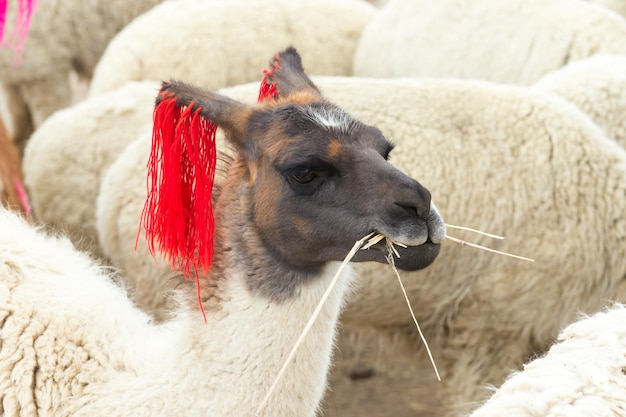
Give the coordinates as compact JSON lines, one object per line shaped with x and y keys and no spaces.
{"x":512,"y":113}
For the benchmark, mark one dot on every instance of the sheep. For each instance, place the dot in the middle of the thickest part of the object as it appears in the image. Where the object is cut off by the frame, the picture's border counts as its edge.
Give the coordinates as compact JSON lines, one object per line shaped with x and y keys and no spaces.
{"x":581,"y":375}
{"x":74,"y":344}
{"x":510,"y":160}
{"x":12,"y":192}
{"x":230,"y":37}
{"x":618,"y":6}
{"x":69,"y":154}
{"x":64,"y":37}
{"x":596,"y":85}
{"x":513,"y":41}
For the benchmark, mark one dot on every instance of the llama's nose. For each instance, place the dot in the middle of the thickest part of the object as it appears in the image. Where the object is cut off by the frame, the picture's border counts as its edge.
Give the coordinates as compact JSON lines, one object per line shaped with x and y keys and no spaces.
{"x":436,"y":225}
{"x":417,"y":198}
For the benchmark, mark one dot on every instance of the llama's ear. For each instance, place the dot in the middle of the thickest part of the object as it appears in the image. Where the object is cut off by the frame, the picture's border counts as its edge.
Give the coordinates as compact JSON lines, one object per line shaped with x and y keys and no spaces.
{"x":286,"y":76}
{"x":228,"y":114}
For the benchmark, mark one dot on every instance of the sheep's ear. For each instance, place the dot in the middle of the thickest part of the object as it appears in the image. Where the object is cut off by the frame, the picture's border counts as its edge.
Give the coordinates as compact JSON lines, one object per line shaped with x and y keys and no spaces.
{"x":228,"y":114}
{"x":287,"y":75}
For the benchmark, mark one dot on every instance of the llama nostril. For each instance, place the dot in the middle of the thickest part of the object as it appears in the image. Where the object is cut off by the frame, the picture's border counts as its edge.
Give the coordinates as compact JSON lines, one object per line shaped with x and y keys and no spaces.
{"x":419,"y":202}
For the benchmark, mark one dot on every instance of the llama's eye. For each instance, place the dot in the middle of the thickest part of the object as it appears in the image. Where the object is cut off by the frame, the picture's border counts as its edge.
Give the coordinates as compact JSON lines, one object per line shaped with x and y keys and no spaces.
{"x":303,"y":175}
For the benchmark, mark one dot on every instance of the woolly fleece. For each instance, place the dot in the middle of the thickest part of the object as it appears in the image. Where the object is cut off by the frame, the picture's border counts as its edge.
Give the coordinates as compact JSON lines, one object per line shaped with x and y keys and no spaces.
{"x":68,"y":155}
{"x":229,"y":40}
{"x":618,"y":6}
{"x":581,"y":375}
{"x":596,"y":85}
{"x":513,"y":41}
{"x":64,"y":36}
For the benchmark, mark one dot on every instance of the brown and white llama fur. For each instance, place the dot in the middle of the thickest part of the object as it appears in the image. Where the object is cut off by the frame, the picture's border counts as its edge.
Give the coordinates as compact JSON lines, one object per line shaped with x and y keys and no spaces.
{"x":12,"y":193}
{"x":306,"y":181}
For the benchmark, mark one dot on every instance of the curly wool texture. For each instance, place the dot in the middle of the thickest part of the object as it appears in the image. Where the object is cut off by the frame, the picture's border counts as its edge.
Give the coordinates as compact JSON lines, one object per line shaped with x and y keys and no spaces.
{"x":69,"y":154}
{"x":504,"y":159}
{"x":73,"y":344}
{"x":581,"y":375}
{"x":45,"y":343}
{"x":596,"y":85}
{"x":64,"y":36}
{"x":513,"y":41}
{"x":230,"y":39}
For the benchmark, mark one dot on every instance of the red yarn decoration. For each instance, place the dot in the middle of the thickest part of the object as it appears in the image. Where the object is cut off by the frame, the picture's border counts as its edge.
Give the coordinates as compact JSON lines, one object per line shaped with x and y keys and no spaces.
{"x":267,"y":91}
{"x":178,"y":213}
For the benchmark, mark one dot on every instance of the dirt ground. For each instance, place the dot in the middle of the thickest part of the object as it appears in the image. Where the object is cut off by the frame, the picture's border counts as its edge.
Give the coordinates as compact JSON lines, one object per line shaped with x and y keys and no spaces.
{"x":372,"y":383}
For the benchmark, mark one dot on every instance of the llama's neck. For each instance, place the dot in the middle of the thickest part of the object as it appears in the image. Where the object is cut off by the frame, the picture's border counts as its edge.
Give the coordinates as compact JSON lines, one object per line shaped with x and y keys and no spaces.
{"x":256,"y":308}
{"x":247,"y":340}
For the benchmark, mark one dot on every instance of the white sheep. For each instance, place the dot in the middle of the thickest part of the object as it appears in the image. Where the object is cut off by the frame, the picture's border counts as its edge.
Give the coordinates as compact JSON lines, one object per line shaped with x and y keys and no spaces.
{"x":74,"y":344}
{"x":513,"y":41}
{"x":509,"y":160}
{"x":581,"y":375}
{"x":64,"y":37}
{"x":597,"y":86}
{"x":228,"y":40}
{"x":69,"y":154}
{"x":618,"y":6}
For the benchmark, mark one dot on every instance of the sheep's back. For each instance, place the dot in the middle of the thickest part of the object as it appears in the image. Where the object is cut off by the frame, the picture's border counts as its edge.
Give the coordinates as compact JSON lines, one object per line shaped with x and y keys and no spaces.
{"x":513,"y":41}
{"x":69,"y":154}
{"x":581,"y":375}
{"x":217,"y":44}
{"x":67,"y":35}
{"x":597,"y":86}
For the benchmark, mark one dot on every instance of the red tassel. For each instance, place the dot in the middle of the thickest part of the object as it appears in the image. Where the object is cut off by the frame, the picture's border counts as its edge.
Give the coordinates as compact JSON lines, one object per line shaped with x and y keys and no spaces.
{"x":178,"y":214}
{"x":268,"y":91}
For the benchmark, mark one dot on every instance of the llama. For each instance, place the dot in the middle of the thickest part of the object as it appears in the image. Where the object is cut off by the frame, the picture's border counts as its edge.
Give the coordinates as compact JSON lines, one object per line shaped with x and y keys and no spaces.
{"x":306,"y":181}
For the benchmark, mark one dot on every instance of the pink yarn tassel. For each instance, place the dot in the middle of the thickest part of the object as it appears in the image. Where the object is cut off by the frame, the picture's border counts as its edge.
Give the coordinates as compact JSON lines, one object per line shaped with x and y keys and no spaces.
{"x":17,"y":39}
{"x":3,"y":18}
{"x":22,"y":196}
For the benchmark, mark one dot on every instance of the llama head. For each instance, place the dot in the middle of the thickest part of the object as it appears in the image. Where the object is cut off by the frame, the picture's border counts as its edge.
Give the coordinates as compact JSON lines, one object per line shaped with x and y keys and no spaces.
{"x":313,"y":179}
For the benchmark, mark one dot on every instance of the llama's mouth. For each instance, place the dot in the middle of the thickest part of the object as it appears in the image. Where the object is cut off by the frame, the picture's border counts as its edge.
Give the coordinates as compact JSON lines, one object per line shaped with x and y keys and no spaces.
{"x":408,"y":258}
